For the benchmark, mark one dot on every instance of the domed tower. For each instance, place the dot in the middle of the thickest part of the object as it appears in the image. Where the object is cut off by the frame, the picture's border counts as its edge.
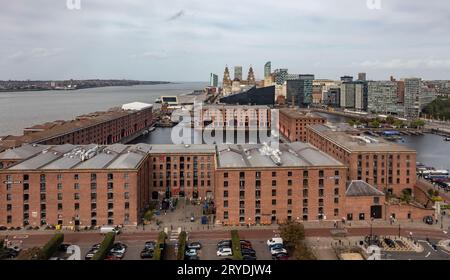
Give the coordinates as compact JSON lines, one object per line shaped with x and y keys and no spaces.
{"x":251,"y":76}
{"x":226,"y":77}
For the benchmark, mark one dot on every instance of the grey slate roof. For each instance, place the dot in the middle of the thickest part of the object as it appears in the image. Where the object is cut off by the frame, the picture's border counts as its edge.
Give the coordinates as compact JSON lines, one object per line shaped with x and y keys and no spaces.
{"x":296,"y":154}
{"x":361,"y":188}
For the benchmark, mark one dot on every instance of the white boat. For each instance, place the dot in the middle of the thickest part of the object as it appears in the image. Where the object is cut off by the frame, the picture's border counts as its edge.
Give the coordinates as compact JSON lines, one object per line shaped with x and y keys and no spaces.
{"x":151,"y":129}
{"x":447,"y":139}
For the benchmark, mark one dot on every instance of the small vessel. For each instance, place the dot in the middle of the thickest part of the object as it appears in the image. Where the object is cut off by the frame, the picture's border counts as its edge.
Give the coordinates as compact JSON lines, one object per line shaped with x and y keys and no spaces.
{"x":447,"y":139}
{"x":151,"y":129}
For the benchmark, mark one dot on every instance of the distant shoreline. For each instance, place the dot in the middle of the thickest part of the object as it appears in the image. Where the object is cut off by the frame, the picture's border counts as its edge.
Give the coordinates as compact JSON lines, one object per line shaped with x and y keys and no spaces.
{"x":139,"y":83}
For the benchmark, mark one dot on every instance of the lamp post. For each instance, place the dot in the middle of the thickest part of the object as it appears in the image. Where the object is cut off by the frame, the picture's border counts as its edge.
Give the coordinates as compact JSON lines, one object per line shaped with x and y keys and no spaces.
{"x":399,"y":230}
{"x":442,"y":220}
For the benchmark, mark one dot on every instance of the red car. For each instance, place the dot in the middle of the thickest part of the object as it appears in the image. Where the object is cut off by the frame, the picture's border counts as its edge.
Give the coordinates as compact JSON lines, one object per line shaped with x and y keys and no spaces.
{"x":112,"y":257}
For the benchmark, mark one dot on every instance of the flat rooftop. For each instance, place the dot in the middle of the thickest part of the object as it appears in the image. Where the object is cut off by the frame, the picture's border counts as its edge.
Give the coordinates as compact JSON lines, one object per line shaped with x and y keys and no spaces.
{"x":295,"y":113}
{"x":296,"y":154}
{"x":240,"y":107}
{"x":340,"y":136}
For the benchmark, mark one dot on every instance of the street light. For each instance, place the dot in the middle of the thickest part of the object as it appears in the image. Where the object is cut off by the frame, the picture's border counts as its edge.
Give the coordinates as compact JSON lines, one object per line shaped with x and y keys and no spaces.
{"x":399,"y":230}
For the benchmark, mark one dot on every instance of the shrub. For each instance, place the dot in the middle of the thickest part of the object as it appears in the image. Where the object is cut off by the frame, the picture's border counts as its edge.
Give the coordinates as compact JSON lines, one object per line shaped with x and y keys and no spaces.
{"x":236,"y":245}
{"x":34,"y":253}
{"x":181,"y":245}
{"x":302,"y":252}
{"x":105,"y":246}
{"x":52,"y":246}
{"x":148,"y":215}
{"x":160,"y":244}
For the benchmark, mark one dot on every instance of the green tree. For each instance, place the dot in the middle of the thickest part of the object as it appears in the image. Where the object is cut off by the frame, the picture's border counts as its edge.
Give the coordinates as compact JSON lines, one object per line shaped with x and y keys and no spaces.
{"x":390,"y":120}
{"x":439,"y":108}
{"x":292,"y":233}
{"x":374,"y":123}
{"x":105,"y":247}
{"x":51,"y":247}
{"x":417,"y":123}
{"x":406,"y":195}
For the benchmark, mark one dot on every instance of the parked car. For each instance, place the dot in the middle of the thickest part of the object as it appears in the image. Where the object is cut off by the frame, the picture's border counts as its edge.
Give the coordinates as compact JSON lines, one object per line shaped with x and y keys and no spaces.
{"x":90,"y":254}
{"x":190,"y":252}
{"x":280,"y":257}
{"x":11,"y":253}
{"x":248,"y":258}
{"x":108,"y":229}
{"x":246,"y":242}
{"x":250,"y":252}
{"x":63,"y":247}
{"x":389,"y":242}
{"x":224,"y":252}
{"x":119,"y":248}
{"x":274,"y":240}
{"x":224,"y":243}
{"x":277,"y":250}
{"x":113,"y":257}
{"x":146,"y":254}
{"x":195,"y":245}
{"x":245,"y":246}
{"x":192,"y":258}
{"x":428,"y":220}
{"x":92,"y":251}
{"x":150,"y":245}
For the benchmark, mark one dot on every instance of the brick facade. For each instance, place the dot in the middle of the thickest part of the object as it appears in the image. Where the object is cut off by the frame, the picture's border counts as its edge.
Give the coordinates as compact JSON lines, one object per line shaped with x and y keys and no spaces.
{"x":293,"y":123}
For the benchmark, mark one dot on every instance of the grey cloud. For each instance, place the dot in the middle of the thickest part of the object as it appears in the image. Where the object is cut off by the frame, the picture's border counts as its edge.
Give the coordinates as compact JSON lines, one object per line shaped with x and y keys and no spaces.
{"x":176,"y":16}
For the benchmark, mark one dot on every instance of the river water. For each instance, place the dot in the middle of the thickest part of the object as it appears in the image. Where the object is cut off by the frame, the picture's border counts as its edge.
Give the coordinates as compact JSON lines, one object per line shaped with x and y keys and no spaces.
{"x":431,"y":149}
{"x":23,"y":109}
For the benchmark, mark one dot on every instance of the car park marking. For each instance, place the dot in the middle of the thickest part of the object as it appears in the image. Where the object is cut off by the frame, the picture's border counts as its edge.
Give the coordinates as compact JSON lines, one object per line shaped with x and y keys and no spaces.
{"x":24,"y":236}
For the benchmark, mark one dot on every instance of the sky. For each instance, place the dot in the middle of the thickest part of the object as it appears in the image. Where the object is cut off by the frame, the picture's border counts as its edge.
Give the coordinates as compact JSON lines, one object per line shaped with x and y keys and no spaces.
{"x":186,"y":40}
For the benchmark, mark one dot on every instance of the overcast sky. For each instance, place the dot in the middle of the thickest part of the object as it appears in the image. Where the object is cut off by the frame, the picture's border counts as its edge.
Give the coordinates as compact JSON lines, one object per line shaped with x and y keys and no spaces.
{"x":185,"y":40}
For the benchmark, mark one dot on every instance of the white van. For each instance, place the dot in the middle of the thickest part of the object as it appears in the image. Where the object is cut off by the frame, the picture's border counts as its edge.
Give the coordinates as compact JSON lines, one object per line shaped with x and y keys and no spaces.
{"x":274,"y":240}
{"x":108,"y":229}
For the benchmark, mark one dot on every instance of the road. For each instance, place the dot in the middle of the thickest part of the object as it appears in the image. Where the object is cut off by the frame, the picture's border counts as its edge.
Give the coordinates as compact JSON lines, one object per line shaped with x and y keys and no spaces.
{"x":428,"y":254}
{"x":89,"y":238}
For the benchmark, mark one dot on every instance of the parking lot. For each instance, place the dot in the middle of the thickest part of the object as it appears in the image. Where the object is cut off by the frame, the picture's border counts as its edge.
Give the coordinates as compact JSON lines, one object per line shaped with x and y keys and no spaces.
{"x":209,"y":249}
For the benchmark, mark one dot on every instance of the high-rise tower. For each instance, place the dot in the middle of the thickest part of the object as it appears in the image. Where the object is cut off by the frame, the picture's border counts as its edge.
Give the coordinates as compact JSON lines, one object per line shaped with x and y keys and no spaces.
{"x":226,"y":77}
{"x":251,"y":76}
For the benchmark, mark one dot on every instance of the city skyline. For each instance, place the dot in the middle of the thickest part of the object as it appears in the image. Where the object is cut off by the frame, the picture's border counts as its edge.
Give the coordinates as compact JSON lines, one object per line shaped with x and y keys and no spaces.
{"x":147,"y":40}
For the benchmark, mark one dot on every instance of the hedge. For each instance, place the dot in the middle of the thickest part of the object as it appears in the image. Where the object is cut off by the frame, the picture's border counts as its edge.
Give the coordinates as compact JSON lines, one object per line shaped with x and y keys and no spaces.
{"x":181,"y":245}
{"x":157,"y":255}
{"x":51,"y":247}
{"x":105,"y":246}
{"x":236,"y":245}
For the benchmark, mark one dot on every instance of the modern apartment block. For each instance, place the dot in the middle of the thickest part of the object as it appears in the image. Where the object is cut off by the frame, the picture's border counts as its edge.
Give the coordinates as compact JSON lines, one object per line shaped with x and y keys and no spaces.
{"x":293,"y":123}
{"x":385,"y":165}
{"x":383,"y":98}
{"x":256,"y":185}
{"x":299,"y":90}
{"x":353,"y":95}
{"x":411,"y":99}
